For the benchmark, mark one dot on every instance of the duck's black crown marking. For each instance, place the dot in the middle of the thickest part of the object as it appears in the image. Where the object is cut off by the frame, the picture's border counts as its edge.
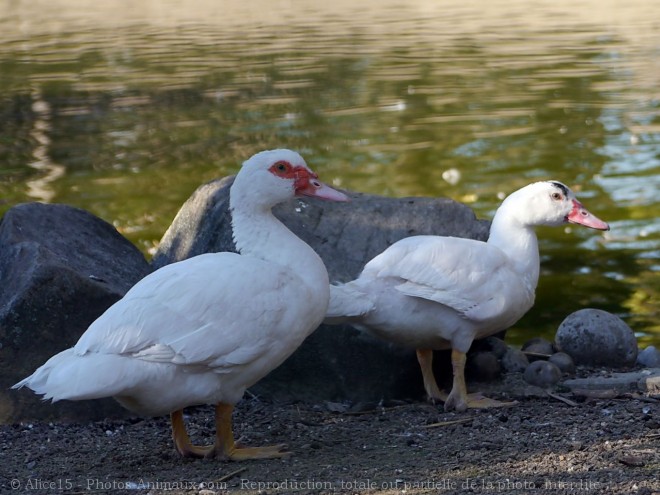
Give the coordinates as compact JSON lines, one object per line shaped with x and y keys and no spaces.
{"x":561,"y":186}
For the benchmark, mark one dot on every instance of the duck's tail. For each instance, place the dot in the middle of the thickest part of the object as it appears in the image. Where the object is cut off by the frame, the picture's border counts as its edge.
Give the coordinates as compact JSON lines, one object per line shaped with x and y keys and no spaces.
{"x":347,"y":305}
{"x":72,"y":376}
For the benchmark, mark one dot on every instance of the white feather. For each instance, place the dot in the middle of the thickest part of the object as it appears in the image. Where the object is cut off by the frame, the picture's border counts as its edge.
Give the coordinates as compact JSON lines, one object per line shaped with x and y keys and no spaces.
{"x":438,"y":292}
{"x":204,"y":329}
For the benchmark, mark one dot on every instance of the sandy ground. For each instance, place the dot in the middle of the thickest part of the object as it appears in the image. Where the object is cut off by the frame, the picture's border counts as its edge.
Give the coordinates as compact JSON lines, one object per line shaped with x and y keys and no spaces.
{"x":541,"y":445}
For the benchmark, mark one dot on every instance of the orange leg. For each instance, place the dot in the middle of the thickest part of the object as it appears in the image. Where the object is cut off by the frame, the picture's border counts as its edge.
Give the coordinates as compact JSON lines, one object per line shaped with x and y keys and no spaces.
{"x":182,"y":440}
{"x":425,"y":358}
{"x":224,"y":447}
{"x":458,"y":398}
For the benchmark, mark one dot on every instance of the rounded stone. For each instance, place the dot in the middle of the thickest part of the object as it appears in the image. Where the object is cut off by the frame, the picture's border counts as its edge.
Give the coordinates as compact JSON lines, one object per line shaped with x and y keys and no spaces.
{"x":538,"y":345}
{"x":563,"y":361}
{"x":514,"y":361}
{"x":484,"y":366}
{"x":496,"y":346}
{"x":595,"y":337}
{"x":542,"y":374}
{"x":649,"y":357}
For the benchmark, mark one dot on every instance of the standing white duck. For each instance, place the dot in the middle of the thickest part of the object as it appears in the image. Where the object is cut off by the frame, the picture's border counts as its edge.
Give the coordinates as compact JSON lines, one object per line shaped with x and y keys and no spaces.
{"x":202,"y":330}
{"x":432,"y":292}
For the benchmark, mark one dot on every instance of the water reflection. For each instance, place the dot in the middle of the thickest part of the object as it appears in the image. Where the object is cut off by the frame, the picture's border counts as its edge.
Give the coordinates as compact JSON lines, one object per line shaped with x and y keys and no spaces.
{"x":39,"y":188}
{"x":124,"y":111}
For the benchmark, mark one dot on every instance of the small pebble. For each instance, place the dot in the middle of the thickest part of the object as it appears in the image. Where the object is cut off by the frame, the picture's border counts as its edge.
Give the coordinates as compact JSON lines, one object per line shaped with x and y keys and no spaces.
{"x":336,"y":407}
{"x":632,"y":460}
{"x":563,"y":361}
{"x":496,"y":346}
{"x":484,"y":366}
{"x":542,"y":374}
{"x":362,"y":407}
{"x":576,"y":445}
{"x":538,"y":345}
{"x":514,"y":361}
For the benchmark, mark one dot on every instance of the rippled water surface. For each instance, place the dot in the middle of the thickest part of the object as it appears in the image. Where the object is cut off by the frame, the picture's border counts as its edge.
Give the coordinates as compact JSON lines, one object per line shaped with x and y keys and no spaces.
{"x":124,"y":109}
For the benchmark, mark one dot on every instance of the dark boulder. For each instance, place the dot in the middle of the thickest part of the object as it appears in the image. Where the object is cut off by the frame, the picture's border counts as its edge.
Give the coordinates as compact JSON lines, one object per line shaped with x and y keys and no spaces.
{"x":336,"y":362}
{"x":60,"y":268}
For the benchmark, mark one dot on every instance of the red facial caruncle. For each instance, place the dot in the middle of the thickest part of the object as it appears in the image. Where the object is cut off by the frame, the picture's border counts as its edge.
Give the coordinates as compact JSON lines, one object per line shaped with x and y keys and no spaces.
{"x":306,"y":182}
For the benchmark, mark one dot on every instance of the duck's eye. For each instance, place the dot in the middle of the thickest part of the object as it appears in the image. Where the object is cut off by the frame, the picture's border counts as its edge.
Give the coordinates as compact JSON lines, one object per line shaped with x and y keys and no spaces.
{"x":281,"y":167}
{"x":556,"y":196}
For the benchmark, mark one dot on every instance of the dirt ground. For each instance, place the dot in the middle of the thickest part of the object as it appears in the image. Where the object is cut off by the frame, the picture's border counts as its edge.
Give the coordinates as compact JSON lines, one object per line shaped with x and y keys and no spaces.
{"x":541,"y":445}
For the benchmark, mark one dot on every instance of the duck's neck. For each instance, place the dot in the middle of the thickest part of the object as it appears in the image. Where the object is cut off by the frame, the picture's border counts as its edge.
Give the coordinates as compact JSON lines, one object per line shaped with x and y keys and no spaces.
{"x":257,"y":233}
{"x":519,"y":242}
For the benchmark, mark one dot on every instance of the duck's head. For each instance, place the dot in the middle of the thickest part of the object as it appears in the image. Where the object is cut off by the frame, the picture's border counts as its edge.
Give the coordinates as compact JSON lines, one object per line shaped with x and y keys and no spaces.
{"x":272,"y":177}
{"x":550,"y":203}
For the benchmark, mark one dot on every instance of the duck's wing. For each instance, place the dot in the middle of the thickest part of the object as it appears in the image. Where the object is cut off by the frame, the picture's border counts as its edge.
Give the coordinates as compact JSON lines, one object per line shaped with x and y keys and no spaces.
{"x":179,"y":314}
{"x":468,"y":276}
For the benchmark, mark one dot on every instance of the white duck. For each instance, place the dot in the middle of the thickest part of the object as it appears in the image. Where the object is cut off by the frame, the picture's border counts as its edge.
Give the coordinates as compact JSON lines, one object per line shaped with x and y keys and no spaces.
{"x":202,"y":330}
{"x":432,"y":292}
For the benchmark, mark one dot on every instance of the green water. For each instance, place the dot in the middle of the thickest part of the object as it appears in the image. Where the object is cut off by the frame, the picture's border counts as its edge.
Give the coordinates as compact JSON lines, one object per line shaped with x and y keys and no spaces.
{"x":125,"y":109}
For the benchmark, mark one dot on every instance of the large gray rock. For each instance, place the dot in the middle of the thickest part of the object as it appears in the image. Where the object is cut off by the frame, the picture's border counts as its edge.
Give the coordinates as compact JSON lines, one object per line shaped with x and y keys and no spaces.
{"x":336,"y":362}
{"x":345,"y":235}
{"x":60,"y":268}
{"x":596,"y":337}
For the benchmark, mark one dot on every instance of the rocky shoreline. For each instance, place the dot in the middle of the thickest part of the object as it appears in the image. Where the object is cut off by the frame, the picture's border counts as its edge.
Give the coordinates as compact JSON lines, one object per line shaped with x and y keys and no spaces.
{"x":544,"y":444}
{"x":351,"y":408}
